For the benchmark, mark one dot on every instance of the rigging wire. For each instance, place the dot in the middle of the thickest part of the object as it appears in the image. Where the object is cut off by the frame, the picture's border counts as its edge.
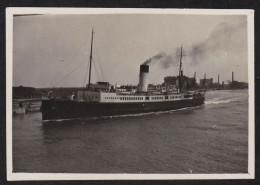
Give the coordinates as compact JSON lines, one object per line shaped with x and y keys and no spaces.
{"x":100,"y":57}
{"x":96,"y":68}
{"x":102,"y":74}
{"x":85,"y":77}
{"x":70,"y":73}
{"x":65,"y":64}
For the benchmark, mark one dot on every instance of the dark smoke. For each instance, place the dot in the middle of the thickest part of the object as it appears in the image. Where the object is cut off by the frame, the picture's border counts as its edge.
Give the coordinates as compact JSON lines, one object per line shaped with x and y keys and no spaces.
{"x":224,"y":38}
{"x":165,"y":60}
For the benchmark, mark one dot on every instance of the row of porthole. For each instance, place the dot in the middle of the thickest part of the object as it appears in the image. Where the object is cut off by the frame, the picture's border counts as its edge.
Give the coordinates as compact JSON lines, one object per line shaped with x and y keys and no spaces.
{"x":138,"y":98}
{"x":125,"y":98}
{"x":112,"y":98}
{"x":131,"y":98}
{"x":172,"y":97}
{"x":157,"y":98}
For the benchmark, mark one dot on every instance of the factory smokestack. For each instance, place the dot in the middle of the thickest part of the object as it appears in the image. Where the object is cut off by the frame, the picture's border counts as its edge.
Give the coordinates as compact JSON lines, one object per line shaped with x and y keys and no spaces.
{"x":232,"y":76}
{"x":143,"y":78}
{"x":218,"y":79}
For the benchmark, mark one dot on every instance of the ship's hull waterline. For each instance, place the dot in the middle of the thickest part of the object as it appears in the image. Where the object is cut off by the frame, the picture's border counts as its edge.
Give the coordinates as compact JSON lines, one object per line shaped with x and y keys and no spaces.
{"x":55,"y":109}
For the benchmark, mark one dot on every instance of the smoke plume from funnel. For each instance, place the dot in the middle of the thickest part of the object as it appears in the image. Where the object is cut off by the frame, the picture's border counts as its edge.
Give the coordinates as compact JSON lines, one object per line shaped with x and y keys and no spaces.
{"x":221,"y":41}
{"x":163,"y":59}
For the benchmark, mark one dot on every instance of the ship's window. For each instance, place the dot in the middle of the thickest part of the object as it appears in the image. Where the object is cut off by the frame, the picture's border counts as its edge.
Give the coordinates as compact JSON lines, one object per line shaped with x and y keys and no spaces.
{"x":166,"y":97}
{"x":146,"y":98}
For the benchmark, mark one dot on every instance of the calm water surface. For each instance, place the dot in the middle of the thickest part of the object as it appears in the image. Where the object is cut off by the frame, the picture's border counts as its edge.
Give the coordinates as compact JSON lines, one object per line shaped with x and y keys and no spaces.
{"x":212,"y":138}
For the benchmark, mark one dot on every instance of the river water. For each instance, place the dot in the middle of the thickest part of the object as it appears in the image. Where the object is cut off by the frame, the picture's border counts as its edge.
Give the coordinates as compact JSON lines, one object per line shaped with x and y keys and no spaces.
{"x":212,"y":138}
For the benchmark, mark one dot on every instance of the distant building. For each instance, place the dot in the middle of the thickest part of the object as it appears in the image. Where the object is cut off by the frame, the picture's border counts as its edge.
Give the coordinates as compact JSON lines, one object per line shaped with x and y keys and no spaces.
{"x":170,"y":80}
{"x":187,"y":83}
{"x":239,"y":85}
{"x":25,"y":92}
{"x":206,"y":83}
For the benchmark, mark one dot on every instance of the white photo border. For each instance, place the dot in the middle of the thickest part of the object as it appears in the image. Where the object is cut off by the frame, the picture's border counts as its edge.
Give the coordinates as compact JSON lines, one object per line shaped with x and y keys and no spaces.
{"x":11,"y":176}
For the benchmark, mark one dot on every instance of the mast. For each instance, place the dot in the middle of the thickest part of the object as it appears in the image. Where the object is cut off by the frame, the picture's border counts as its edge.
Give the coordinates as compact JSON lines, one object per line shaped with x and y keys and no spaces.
{"x":180,"y":71}
{"x":89,"y":78}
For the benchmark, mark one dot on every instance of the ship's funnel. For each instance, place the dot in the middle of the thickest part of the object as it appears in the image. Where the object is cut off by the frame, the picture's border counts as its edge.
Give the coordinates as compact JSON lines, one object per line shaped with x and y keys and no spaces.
{"x":143,"y":78}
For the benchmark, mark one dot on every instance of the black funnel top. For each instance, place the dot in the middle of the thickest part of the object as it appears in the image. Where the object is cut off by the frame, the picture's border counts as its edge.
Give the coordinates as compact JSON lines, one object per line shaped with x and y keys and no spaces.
{"x":144,"y":68}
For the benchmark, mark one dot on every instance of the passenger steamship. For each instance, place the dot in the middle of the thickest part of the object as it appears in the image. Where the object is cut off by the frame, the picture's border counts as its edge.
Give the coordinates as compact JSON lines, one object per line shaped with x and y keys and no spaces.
{"x":96,"y":103}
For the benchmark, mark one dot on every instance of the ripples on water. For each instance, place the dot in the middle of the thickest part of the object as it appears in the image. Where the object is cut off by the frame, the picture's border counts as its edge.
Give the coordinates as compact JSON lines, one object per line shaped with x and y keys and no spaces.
{"x":211,"y":138}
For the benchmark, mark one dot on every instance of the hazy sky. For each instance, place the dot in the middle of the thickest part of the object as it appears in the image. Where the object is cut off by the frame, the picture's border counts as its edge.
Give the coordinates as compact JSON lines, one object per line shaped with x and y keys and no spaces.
{"x":53,"y":50}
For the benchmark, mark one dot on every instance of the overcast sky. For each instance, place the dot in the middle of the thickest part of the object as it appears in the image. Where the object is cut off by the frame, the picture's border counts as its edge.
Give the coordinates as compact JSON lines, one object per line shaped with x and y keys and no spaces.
{"x":53,"y":50}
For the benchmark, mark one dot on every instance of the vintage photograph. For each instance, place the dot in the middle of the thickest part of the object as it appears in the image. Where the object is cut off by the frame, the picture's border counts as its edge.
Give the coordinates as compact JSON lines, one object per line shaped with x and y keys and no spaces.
{"x":131,"y":92}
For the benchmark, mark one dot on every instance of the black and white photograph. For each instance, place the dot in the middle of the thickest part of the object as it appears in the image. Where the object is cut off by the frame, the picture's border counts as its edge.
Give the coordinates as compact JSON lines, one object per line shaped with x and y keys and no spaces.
{"x":130,"y":94}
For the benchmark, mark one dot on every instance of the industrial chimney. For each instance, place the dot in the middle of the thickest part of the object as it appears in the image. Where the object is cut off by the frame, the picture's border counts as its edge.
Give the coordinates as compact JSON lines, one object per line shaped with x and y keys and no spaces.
{"x":232,"y":77}
{"x":143,"y":78}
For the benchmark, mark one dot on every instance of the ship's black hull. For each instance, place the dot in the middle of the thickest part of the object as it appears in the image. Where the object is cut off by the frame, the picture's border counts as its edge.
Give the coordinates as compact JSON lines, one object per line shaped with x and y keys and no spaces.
{"x":59,"y":109}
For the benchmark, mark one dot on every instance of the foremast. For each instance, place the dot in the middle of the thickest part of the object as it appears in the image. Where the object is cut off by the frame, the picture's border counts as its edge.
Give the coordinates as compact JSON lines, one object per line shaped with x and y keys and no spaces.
{"x":89,"y":78}
{"x":180,"y":71}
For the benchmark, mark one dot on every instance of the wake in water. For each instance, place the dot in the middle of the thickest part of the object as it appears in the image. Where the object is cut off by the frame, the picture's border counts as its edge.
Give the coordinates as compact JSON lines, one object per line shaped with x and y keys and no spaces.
{"x":220,"y":100}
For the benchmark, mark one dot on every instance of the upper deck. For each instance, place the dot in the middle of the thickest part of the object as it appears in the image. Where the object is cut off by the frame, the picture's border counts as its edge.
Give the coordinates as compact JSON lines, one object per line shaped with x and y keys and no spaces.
{"x":112,"y":97}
